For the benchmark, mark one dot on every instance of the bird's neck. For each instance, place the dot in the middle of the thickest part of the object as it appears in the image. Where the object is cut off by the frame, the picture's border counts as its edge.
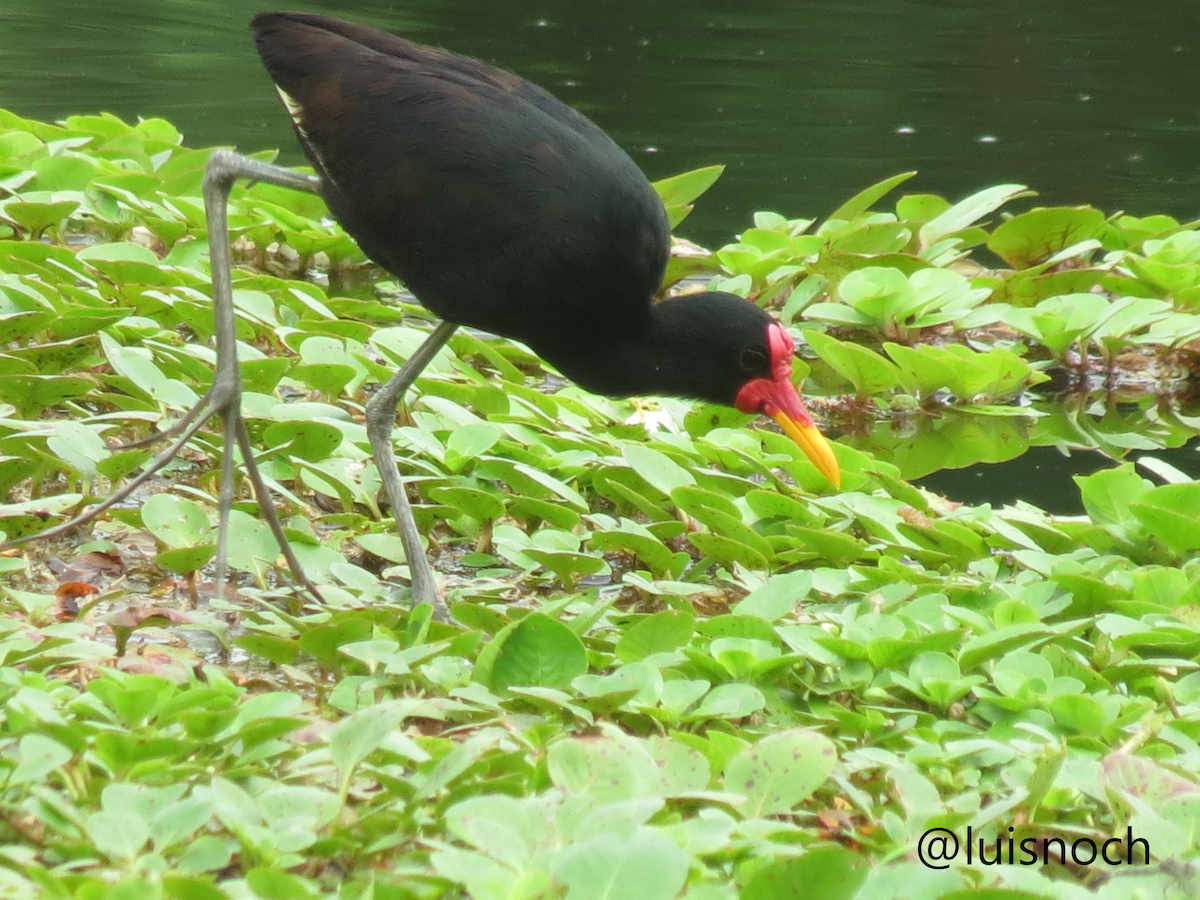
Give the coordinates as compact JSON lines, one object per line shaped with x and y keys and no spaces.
{"x":658,"y":356}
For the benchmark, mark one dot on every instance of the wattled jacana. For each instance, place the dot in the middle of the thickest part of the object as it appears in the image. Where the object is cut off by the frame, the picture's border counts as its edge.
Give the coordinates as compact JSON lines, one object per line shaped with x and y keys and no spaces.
{"x":503,"y":209}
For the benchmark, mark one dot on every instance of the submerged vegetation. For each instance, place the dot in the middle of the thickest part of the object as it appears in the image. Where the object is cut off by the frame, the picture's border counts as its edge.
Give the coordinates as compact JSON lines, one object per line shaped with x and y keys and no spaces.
{"x":681,"y":667}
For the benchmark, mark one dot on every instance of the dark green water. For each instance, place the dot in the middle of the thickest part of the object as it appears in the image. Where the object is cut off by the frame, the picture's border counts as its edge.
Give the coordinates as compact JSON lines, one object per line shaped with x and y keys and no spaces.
{"x":805,"y":102}
{"x":1088,"y":102}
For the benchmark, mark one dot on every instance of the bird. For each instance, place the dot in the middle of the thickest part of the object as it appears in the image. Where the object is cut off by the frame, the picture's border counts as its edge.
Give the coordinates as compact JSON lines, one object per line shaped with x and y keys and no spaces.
{"x":505,"y":210}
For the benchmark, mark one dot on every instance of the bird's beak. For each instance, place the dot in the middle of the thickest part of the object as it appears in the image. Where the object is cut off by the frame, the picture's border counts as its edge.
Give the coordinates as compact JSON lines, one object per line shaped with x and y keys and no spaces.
{"x":776,"y":397}
{"x":812,"y":442}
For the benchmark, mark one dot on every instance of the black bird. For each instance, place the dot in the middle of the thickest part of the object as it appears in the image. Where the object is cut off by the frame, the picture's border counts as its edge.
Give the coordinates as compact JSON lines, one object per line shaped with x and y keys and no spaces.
{"x":503,"y":209}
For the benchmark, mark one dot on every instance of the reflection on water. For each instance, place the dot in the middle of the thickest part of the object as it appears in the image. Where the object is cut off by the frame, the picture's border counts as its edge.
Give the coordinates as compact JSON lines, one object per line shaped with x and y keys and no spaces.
{"x":1042,"y":476}
{"x":975,"y":458}
{"x":804,"y":102}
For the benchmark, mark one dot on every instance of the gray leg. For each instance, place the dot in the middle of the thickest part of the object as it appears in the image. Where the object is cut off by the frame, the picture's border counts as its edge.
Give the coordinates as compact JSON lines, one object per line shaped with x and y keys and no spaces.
{"x":224,"y":399}
{"x":223,"y":169}
{"x":381,"y":419}
{"x":225,"y":396}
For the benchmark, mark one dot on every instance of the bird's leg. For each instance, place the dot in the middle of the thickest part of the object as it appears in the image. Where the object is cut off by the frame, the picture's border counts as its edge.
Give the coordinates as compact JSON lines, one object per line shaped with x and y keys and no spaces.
{"x":225,"y":395}
{"x":381,"y":419}
{"x":223,"y":169}
{"x":224,"y":398}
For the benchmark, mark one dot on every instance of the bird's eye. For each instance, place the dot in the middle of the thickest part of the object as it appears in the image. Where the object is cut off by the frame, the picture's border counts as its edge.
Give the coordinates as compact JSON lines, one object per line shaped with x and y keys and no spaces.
{"x":752,"y":359}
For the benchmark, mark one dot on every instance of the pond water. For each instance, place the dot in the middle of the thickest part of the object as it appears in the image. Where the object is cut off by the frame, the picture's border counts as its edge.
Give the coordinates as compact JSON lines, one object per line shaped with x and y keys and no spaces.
{"x":805,"y":102}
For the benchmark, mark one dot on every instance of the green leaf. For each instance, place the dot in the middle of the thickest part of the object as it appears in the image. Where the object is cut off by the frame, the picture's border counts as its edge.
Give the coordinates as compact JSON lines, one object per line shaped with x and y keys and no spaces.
{"x":726,"y":701}
{"x":176,"y":521}
{"x":273,"y":648}
{"x":983,"y":647}
{"x":252,"y":547}
{"x":35,"y":216}
{"x":918,"y":208}
{"x":358,"y":736}
{"x":473,"y":440}
{"x":385,"y":546}
{"x":78,"y":446}
{"x":1109,"y":495}
{"x":535,"y":651}
{"x":20,"y":325}
{"x":136,"y":365}
{"x":678,"y":190}
{"x":554,"y":485}
{"x":118,"y":251}
{"x":272,"y":884}
{"x":328,"y":378}
{"x":969,"y":211}
{"x":179,"y":821}
{"x":696,"y":500}
{"x":1169,"y":514}
{"x":63,"y":173}
{"x":528,"y":509}
{"x":1036,"y":235}
{"x":184,"y":560}
{"x":780,"y":771}
{"x":869,"y":372}
{"x":728,"y":551}
{"x":120,"y":833}
{"x":830,"y":873}
{"x":324,"y":642}
{"x":659,"y":470}
{"x":661,"y":632}
{"x":499,"y":826}
{"x":643,"y":865}
{"x":608,"y":768}
{"x":313,"y":441}
{"x":778,"y":597}
{"x":862,"y":201}
{"x":1082,"y":714}
{"x":633,"y":538}
{"x":31,"y":394}
{"x":481,"y":505}
{"x":37,"y":756}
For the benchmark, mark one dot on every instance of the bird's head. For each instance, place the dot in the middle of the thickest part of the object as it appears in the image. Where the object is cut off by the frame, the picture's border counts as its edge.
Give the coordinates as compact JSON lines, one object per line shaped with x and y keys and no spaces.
{"x":711,"y":346}
{"x":769,"y":390}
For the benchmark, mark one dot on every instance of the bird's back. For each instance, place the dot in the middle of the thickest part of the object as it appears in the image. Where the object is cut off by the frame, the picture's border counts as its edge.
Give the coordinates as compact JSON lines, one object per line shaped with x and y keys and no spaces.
{"x":499,"y":206}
